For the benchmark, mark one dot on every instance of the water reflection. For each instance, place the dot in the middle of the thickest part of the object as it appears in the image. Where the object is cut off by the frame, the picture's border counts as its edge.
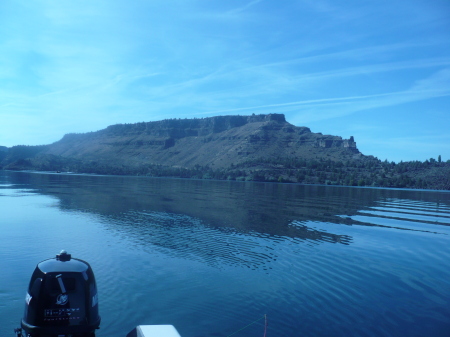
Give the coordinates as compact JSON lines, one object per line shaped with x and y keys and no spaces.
{"x":267,"y":209}
{"x":318,"y":260}
{"x":222,"y":222}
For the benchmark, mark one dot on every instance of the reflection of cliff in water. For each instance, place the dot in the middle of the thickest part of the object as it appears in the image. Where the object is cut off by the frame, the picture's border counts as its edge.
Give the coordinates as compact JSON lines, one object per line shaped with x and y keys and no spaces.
{"x":211,"y":219}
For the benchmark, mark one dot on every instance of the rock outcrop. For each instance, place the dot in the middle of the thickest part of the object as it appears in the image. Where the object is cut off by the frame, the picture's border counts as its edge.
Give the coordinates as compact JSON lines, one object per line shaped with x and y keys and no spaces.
{"x":216,"y":141}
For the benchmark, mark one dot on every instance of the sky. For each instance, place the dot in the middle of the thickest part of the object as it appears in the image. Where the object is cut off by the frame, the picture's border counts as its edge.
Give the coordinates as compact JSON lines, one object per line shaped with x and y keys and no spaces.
{"x":374,"y":69}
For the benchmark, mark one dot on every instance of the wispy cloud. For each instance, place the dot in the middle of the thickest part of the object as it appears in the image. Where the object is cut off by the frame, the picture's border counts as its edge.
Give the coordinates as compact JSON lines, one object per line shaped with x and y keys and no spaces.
{"x":245,"y":7}
{"x":436,"y":85}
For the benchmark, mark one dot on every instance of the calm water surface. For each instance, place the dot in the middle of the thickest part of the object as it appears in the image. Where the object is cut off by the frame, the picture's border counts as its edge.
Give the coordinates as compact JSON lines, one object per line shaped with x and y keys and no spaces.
{"x":211,"y":257}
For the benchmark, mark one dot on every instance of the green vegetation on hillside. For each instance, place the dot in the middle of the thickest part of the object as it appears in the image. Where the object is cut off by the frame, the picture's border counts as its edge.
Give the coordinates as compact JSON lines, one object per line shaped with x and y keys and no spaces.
{"x":368,"y":171}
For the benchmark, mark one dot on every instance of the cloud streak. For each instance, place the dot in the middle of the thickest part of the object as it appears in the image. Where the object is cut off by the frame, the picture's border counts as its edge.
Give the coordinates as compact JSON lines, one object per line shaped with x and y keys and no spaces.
{"x":244,"y":8}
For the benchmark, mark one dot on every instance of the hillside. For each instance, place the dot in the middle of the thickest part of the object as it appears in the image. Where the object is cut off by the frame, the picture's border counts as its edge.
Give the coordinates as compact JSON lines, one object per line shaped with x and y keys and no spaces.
{"x":217,"y":142}
{"x":257,"y":147}
{"x":3,"y":152}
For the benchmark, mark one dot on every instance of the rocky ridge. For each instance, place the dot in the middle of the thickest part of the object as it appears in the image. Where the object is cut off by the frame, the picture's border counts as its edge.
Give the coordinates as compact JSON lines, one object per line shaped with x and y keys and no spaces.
{"x":256,"y":147}
{"x":217,"y":142}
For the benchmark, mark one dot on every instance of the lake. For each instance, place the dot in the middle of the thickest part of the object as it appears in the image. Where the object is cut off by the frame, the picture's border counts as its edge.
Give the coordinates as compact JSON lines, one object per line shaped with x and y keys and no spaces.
{"x":212,"y":257}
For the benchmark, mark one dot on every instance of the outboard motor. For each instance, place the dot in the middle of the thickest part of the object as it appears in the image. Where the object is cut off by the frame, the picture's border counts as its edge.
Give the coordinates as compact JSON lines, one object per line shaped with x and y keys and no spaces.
{"x":62,"y":299}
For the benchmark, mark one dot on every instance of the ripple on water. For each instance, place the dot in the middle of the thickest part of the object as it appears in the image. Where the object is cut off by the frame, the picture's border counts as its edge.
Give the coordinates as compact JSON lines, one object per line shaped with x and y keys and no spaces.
{"x":382,"y":269}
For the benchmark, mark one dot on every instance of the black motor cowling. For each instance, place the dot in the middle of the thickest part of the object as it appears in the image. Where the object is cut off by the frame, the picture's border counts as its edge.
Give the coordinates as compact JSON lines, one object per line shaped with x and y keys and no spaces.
{"x":62,"y":299}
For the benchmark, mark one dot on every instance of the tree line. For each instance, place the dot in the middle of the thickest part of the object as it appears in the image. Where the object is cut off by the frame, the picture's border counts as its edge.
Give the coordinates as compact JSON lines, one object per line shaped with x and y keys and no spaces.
{"x":366,"y":171}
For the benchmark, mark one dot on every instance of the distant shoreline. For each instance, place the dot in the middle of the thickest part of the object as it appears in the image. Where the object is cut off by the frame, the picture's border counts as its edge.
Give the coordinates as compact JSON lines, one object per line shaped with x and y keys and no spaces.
{"x":223,"y":180}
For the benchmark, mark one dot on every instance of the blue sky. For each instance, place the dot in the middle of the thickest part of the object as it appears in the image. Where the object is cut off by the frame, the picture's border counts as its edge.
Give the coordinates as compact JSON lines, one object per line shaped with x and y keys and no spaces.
{"x":376,"y":70}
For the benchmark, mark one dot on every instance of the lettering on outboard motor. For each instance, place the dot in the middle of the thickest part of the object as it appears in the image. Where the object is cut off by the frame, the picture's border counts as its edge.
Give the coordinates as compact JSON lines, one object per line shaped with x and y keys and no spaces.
{"x":52,"y":315}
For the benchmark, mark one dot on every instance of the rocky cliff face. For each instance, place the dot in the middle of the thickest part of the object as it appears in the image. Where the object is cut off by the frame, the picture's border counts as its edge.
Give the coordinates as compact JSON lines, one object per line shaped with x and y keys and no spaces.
{"x":216,"y":141}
